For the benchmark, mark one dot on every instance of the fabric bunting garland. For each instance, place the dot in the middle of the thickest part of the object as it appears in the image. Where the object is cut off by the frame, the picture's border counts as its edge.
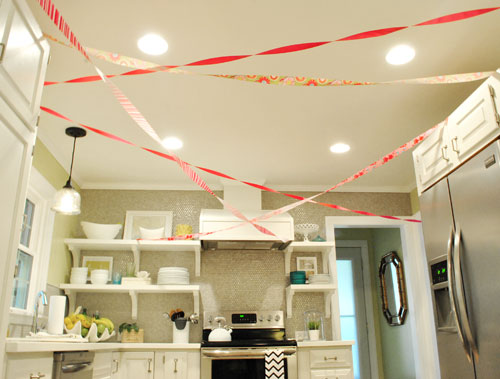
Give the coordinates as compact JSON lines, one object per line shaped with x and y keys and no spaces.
{"x":144,"y":67}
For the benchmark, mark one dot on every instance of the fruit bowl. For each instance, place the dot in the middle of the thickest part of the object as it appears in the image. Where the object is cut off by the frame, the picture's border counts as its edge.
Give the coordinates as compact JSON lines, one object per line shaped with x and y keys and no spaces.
{"x":92,"y":334}
{"x":306,"y":229}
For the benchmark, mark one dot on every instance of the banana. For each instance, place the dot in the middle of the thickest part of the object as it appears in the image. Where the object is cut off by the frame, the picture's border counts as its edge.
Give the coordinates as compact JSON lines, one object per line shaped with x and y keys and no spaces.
{"x":85,"y":320}
{"x":107,"y":323}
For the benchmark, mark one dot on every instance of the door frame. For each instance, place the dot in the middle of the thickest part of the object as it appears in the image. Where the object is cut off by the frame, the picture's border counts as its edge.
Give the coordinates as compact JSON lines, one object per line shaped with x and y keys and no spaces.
{"x":370,"y":320}
{"x":421,"y":313}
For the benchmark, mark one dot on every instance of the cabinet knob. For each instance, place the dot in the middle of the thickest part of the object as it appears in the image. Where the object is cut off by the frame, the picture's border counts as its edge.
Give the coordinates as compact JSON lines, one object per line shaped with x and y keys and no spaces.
{"x":149,"y":365}
{"x":40,"y":375}
{"x":175,"y":365}
{"x":330,"y":358}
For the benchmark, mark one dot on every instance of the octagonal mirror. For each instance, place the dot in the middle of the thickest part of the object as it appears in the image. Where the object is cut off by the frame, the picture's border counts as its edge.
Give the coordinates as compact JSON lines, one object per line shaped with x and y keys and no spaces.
{"x":393,"y":291}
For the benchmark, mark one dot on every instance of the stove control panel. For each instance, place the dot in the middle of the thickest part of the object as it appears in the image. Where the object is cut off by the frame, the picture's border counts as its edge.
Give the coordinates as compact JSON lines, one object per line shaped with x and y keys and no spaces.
{"x":246,"y":319}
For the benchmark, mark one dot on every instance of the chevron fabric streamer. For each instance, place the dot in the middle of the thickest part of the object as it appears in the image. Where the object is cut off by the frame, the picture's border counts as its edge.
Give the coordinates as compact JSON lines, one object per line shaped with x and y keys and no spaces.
{"x":360,"y":173}
{"x":144,"y":67}
{"x":275,"y":364}
{"x":134,"y":113}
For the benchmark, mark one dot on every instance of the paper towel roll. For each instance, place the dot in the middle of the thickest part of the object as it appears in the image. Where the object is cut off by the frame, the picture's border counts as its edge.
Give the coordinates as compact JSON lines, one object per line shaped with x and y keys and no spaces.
{"x":57,"y":307}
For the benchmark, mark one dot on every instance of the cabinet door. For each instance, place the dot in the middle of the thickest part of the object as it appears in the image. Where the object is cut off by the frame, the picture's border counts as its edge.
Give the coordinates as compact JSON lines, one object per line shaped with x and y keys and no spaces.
{"x":23,"y":60}
{"x":433,"y":158}
{"x":177,"y":365}
{"x":475,"y":122}
{"x":136,"y":365}
{"x":102,"y":365}
{"x":332,"y":374}
{"x":26,"y":366}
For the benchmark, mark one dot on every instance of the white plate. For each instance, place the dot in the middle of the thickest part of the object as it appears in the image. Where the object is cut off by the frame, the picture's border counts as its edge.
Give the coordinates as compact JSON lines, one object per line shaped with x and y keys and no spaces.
{"x":162,"y":269}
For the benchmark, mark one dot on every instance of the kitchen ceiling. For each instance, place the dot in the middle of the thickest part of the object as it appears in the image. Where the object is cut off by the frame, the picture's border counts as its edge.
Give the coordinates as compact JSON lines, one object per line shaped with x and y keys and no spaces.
{"x":274,"y":134}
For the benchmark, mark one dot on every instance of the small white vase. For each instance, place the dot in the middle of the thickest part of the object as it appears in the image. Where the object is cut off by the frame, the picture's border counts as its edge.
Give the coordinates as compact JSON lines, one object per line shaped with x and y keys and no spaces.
{"x":313,"y":335}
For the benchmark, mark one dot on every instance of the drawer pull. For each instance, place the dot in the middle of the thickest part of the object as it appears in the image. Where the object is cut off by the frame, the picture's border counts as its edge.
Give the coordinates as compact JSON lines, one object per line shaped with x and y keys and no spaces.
{"x":328,"y":358}
{"x":149,"y":365}
{"x":444,"y":153}
{"x":175,"y":365}
{"x":40,"y":375}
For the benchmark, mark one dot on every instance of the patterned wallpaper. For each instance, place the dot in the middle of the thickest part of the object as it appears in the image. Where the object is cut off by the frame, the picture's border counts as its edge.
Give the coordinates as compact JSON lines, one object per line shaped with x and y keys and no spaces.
{"x":243,"y":280}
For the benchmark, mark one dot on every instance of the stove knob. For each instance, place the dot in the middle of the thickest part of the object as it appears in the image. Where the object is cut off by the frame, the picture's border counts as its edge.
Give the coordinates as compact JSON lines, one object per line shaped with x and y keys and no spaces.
{"x":277,"y":318}
{"x":210,"y":319}
{"x":261,"y":318}
{"x":269,"y":318}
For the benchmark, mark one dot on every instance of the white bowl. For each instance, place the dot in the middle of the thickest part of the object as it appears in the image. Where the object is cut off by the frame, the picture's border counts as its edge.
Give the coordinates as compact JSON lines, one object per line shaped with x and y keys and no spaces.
{"x":152,"y":234}
{"x":99,"y":271}
{"x":99,"y":280}
{"x":79,"y":269}
{"x":165,"y":269}
{"x":100,"y":231}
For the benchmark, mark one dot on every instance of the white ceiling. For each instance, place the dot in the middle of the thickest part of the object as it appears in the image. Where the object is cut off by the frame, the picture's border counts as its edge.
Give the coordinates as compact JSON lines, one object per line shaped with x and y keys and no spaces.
{"x":276,"y":134}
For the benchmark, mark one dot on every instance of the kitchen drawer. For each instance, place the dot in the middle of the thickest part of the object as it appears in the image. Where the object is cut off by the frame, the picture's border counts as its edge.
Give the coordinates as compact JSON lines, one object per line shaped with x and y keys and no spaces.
{"x":326,"y":358}
{"x":332,"y":374}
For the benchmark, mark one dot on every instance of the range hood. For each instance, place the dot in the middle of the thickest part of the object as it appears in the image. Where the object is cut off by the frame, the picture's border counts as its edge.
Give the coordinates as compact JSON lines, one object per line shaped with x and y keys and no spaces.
{"x":246,"y":237}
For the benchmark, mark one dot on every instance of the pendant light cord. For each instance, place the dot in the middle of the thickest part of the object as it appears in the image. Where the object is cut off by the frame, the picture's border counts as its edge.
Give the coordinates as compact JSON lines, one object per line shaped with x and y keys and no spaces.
{"x":68,"y":183}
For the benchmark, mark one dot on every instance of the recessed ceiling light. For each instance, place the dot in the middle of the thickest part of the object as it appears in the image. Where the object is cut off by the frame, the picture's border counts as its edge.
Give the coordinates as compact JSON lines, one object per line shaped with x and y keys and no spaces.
{"x":340,"y":148}
{"x":152,"y":44}
{"x":400,"y":54}
{"x":172,"y":143}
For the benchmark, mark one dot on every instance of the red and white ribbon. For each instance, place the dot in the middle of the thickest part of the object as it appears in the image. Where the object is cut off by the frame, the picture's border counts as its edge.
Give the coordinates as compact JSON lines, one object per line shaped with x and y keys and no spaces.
{"x":380,"y":162}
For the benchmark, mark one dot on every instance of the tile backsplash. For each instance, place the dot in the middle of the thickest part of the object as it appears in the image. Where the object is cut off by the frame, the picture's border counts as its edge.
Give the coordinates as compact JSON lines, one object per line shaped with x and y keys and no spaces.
{"x":242,"y":280}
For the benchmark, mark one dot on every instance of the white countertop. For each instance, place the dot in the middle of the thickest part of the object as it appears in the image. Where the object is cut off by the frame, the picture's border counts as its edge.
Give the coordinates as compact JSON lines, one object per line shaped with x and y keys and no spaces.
{"x":324,"y":343}
{"x":21,"y":345}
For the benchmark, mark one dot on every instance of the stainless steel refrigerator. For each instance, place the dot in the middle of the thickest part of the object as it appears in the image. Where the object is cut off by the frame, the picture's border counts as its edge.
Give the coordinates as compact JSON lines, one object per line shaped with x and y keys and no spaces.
{"x":461,"y":224}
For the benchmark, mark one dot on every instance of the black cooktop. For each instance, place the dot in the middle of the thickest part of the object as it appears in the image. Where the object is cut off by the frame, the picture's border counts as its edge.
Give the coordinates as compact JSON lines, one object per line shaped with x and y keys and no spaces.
{"x":250,"y":343}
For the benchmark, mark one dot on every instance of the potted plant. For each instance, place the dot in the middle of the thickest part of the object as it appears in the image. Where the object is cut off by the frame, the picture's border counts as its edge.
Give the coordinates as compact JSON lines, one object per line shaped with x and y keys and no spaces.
{"x":313,"y":329}
{"x":131,"y":332}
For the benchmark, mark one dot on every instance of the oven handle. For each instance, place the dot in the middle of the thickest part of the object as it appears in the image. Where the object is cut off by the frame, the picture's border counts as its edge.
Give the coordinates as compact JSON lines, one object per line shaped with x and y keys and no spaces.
{"x":235,"y":353}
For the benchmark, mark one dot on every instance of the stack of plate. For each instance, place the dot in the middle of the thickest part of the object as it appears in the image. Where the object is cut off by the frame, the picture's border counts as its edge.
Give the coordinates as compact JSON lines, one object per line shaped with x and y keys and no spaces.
{"x":79,"y":275}
{"x":319,"y":279}
{"x":173,"y":275}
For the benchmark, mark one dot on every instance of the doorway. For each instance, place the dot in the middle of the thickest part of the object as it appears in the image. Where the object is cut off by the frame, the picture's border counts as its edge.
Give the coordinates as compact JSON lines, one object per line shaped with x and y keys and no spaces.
{"x":355,"y":304}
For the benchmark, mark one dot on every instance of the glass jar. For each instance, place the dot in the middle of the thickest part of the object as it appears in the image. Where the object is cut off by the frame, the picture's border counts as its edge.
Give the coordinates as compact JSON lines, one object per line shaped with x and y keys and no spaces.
{"x":313,"y":326}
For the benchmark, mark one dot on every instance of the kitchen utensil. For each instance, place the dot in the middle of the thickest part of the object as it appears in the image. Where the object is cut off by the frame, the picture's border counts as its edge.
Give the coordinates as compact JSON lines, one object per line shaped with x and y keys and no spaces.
{"x":180,"y":330}
{"x":306,"y":229}
{"x":100,"y":231}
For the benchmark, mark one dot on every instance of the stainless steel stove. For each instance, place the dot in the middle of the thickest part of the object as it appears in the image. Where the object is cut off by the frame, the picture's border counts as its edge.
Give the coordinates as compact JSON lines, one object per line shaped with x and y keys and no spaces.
{"x":253,"y":332}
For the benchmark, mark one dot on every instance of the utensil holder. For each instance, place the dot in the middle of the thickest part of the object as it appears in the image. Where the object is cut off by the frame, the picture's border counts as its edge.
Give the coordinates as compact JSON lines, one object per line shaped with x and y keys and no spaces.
{"x":180,"y":334}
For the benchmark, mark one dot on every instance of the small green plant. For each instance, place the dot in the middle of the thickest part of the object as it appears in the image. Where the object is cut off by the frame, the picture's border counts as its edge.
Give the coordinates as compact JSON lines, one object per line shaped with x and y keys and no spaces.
{"x":128,"y":327}
{"x":313,"y":325}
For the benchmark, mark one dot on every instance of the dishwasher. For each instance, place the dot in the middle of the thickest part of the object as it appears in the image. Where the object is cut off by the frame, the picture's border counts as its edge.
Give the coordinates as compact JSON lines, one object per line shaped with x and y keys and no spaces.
{"x":73,"y":365}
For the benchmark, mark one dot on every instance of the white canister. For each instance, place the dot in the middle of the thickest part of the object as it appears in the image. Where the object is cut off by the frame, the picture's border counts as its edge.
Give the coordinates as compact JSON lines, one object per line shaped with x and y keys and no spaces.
{"x":180,"y":335}
{"x":57,"y":308}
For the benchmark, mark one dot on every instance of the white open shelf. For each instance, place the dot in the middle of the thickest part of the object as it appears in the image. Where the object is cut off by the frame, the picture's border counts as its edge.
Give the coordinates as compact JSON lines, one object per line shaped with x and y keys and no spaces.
{"x":76,"y":245}
{"x":328,"y":289}
{"x":133,"y":290}
{"x":325,"y":248}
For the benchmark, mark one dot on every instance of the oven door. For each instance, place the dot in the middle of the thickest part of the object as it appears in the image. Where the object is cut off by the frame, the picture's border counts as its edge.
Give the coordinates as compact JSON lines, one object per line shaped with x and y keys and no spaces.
{"x":243,"y":363}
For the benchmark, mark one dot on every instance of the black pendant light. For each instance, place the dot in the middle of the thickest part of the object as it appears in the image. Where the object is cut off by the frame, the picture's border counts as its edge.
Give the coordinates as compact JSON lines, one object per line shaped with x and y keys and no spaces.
{"x":67,"y":200}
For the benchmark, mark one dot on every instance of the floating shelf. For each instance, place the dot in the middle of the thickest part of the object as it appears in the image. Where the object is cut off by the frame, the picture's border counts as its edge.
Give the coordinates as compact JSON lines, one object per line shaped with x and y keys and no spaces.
{"x":325,"y":248}
{"x":133,"y":290}
{"x":327,"y":289}
{"x":76,"y":245}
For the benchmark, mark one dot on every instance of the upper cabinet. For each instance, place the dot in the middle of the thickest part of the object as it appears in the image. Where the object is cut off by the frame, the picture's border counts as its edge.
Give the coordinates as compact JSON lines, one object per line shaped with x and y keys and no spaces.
{"x":474,"y":124}
{"x":23,"y":60}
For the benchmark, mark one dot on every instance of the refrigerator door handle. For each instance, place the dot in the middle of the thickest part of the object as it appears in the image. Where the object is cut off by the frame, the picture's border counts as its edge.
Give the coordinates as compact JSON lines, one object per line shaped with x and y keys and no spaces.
{"x":468,"y":342}
{"x":451,"y":286}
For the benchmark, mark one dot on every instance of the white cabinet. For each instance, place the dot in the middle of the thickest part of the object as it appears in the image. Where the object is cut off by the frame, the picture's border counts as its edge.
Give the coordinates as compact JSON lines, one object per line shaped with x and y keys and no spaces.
{"x":177,"y":365}
{"x":472,"y":126}
{"x":23,"y":60}
{"x":332,"y":362}
{"x":133,"y":365}
{"x":29,"y":366}
{"x":102,"y":365}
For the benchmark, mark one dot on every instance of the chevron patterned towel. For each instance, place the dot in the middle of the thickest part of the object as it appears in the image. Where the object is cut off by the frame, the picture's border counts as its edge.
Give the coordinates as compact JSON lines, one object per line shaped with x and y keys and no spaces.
{"x":275,"y":364}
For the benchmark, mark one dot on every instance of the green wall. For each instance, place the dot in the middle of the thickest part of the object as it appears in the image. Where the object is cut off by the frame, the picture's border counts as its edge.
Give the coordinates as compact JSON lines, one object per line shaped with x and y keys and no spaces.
{"x":64,"y":226}
{"x":393,"y":343}
{"x":415,"y":203}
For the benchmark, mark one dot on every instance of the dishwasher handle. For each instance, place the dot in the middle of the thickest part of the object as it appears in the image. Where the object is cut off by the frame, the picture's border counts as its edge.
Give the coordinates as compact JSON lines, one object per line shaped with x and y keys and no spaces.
{"x":75,"y":367}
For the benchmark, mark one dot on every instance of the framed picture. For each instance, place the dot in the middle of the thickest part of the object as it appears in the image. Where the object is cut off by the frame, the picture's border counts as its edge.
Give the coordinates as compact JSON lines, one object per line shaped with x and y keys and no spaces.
{"x":307,"y":264}
{"x":98,"y":263}
{"x":151,"y":221}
